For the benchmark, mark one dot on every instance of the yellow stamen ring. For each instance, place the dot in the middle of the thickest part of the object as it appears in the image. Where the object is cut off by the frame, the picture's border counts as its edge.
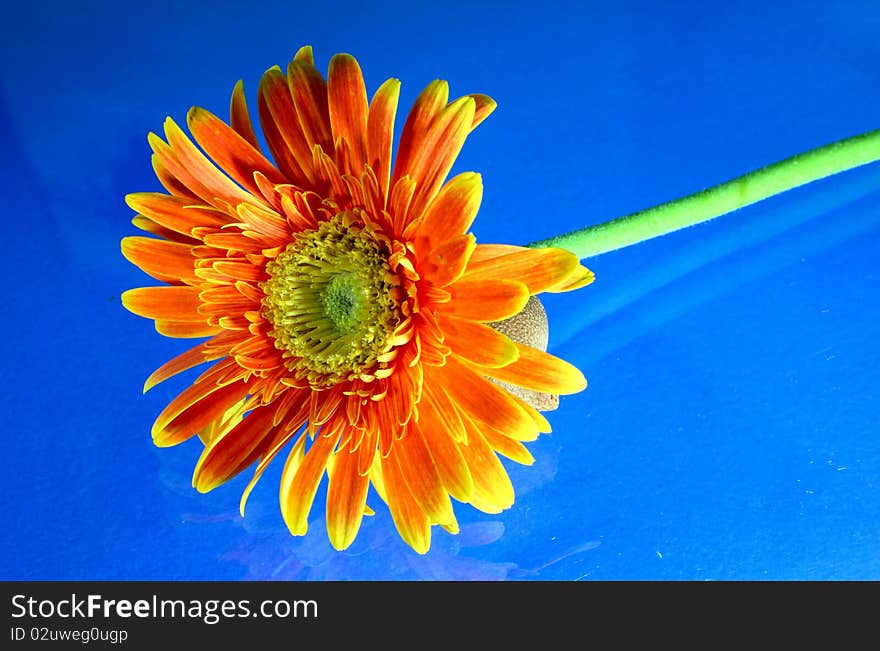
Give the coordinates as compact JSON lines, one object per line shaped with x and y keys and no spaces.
{"x":330,"y":298}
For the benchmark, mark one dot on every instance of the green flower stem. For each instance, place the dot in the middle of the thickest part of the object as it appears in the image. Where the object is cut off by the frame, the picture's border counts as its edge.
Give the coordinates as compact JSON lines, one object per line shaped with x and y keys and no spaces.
{"x":720,"y":199}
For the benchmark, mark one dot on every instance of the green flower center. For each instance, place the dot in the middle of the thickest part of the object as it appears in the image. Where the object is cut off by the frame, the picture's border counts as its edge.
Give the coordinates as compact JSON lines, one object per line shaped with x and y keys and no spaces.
{"x":342,"y":298}
{"x":330,"y":300}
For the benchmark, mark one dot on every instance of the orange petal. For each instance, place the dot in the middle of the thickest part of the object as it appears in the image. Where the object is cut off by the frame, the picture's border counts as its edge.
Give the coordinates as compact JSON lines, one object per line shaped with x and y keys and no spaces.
{"x":233,"y":153}
{"x":538,"y":269}
{"x":427,"y":106}
{"x":171,"y":183}
{"x":411,"y":521}
{"x":239,"y":116}
{"x":348,"y":108}
{"x":281,"y":128}
{"x":418,"y":471}
{"x":486,"y":300}
{"x":541,"y":423}
{"x":489,"y":251}
{"x":477,"y":342}
{"x":376,"y":475}
{"x":486,"y":402}
{"x":236,"y":270}
{"x":442,"y":143}
{"x":194,"y":409}
{"x":506,"y":446}
{"x":484,"y":107}
{"x":309,"y":92}
{"x":539,"y":371}
{"x":168,"y":303}
{"x":451,"y":212}
{"x":447,"y":262}
{"x":183,"y":362}
{"x":399,"y":202}
{"x":367,"y":450}
{"x":226,"y":422}
{"x":438,"y":414}
{"x":170,"y":262}
{"x":186,"y":329}
{"x":299,"y":483}
{"x":346,"y":498}
{"x":233,"y":240}
{"x":272,"y":228}
{"x":440,"y":441}
{"x":174,"y":213}
{"x":493,"y":491}
{"x":193,"y":168}
{"x":380,"y":131}
{"x":148,"y":225}
{"x":305,"y":55}
{"x":294,"y":417}
{"x":581,"y":277}
{"x":227,"y":455}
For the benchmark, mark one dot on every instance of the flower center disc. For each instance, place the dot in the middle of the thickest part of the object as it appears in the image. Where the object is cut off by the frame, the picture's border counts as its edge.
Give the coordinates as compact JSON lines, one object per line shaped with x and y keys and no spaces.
{"x":329,"y":299}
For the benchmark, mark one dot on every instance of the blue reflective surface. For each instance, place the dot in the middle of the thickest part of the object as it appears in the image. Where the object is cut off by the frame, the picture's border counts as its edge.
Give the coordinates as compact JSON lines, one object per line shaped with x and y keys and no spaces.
{"x":730,"y":429}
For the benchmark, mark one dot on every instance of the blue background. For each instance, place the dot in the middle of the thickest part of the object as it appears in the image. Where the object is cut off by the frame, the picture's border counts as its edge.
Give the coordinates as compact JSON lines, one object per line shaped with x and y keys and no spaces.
{"x":730,"y":429}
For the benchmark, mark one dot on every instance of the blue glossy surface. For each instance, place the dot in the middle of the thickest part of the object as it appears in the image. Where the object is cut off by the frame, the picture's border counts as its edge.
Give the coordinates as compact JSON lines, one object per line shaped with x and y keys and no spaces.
{"x":730,"y":430}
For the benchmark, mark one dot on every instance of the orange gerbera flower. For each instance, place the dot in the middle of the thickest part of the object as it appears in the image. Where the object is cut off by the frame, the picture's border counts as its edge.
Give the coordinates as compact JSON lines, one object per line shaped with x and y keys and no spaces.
{"x":346,"y":304}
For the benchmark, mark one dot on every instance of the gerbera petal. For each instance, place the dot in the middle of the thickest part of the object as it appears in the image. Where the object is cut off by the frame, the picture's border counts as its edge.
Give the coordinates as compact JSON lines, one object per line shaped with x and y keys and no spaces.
{"x":486,"y":402}
{"x":504,"y":445}
{"x":149,"y":226}
{"x":186,"y":329}
{"x":170,"y":182}
{"x":427,"y":106}
{"x":450,"y":213}
{"x":264,"y":223}
{"x":346,"y":498}
{"x":183,"y":362}
{"x":380,"y":132}
{"x":539,"y":371}
{"x":295,"y":418}
{"x":581,"y":277}
{"x":489,"y":251}
{"x":538,"y":269}
{"x":477,"y":342}
{"x":402,"y":191}
{"x":486,"y":300}
{"x":443,"y":447}
{"x":411,"y":521}
{"x":194,"y":169}
{"x":447,"y":262}
{"x":484,"y":105}
{"x":237,"y":270}
{"x":281,"y":128}
{"x":194,"y":409}
{"x":168,"y":303}
{"x":174,"y":213}
{"x":541,"y":423}
{"x":230,"y":418}
{"x":170,"y":262}
{"x":420,"y":475}
{"x":493,"y":491}
{"x":227,"y":455}
{"x":299,"y":483}
{"x":233,"y":153}
{"x":439,"y":415}
{"x":348,"y":108}
{"x":305,"y":54}
{"x":441,"y":146}
{"x":309,"y":92}
{"x":239,"y":116}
